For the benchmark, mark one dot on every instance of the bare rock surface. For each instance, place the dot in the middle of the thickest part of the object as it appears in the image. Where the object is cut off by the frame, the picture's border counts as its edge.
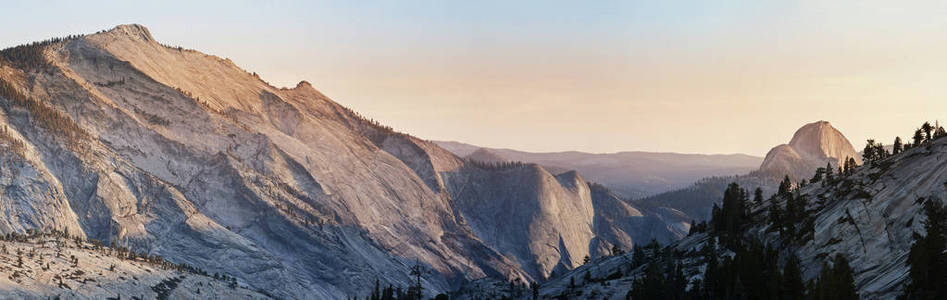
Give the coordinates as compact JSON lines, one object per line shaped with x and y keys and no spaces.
{"x":172,"y":152}
{"x":811,"y":147}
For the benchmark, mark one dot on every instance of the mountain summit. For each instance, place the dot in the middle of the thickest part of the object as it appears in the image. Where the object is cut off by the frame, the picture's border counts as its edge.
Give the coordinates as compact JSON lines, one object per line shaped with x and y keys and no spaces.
{"x":811,"y":147}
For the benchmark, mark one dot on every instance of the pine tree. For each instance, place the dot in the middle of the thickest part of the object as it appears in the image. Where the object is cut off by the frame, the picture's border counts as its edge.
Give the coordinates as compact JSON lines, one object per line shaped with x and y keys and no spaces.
{"x":818,"y":175}
{"x":927,"y":262}
{"x":898,"y":148}
{"x":792,"y":216}
{"x":758,"y":196}
{"x":638,"y":257}
{"x":649,"y":286}
{"x":918,"y":137}
{"x":848,"y":168}
{"x":417,"y":270}
{"x":819,"y":287}
{"x":828,"y":173}
{"x":376,"y":293}
{"x":676,"y":282}
{"x":791,"y":286}
{"x":928,"y":129}
{"x":880,"y":152}
{"x":868,"y":154}
{"x":711,"y":281}
{"x":785,"y":186}
{"x":775,"y":215}
{"x":728,"y":221}
{"x":843,"y":279}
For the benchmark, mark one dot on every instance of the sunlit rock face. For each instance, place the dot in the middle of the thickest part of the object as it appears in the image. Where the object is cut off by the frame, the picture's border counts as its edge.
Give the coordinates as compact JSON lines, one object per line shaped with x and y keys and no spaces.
{"x":811,"y":147}
{"x":116,"y":137}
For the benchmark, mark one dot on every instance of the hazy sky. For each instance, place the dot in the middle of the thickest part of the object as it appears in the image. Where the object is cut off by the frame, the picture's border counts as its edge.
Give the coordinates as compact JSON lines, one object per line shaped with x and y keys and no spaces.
{"x":599,"y":76}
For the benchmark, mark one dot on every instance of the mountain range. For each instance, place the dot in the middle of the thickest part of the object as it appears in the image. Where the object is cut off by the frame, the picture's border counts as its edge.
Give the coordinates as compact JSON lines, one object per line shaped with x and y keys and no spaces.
{"x":116,"y":139}
{"x":632,"y":174}
{"x":171,"y":165}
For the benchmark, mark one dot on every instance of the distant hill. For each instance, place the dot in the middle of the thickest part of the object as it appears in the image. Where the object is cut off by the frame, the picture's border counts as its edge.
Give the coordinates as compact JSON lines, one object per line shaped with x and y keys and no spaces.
{"x":632,"y":174}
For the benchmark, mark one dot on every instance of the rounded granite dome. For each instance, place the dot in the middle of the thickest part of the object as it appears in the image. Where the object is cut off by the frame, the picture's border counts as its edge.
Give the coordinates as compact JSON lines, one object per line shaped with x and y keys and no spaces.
{"x":819,"y":140}
{"x":812,"y":146}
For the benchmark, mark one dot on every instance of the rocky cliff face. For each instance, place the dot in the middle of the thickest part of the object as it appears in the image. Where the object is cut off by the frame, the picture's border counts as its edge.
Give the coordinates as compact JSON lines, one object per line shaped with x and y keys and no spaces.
{"x":811,"y":147}
{"x":509,"y":205}
{"x":173,"y":152}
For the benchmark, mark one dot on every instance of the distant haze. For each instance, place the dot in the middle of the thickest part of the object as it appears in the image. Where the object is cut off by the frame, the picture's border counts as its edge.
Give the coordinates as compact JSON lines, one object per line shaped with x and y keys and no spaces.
{"x":668,"y":76}
{"x":630,"y":174}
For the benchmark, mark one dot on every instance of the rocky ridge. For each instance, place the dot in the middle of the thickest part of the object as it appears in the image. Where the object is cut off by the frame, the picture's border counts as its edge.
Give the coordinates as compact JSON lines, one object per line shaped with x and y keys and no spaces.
{"x":172,"y":152}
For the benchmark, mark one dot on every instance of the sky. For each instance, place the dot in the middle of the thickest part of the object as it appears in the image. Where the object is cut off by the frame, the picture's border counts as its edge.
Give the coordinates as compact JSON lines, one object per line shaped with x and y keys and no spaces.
{"x":595,"y":76}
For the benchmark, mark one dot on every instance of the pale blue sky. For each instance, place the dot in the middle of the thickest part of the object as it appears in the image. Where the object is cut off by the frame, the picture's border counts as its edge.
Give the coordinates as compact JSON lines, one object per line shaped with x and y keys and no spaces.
{"x":601,"y":76}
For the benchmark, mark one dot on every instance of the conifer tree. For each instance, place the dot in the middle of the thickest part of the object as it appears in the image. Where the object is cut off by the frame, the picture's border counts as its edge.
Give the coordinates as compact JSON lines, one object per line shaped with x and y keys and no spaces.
{"x":376,"y":293}
{"x":828,"y":173}
{"x":818,"y":175}
{"x":843,"y":279}
{"x":638,"y":257}
{"x":928,"y":130}
{"x":417,"y":270}
{"x":918,"y":137}
{"x":880,"y":152}
{"x":711,"y":280}
{"x":898,"y":147}
{"x":649,"y":286}
{"x":728,"y":221}
{"x":775,"y":216}
{"x":785,"y":186}
{"x":868,"y":154}
{"x":927,"y":262}
{"x":791,"y":285}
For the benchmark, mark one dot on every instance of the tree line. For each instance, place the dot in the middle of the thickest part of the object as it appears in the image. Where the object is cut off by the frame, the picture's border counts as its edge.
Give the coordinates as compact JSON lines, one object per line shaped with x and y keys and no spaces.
{"x":756,"y":269}
{"x":60,"y":125}
{"x":875,"y":152}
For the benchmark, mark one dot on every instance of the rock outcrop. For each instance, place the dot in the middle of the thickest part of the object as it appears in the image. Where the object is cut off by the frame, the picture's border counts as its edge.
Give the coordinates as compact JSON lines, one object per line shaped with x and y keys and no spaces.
{"x":811,"y":147}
